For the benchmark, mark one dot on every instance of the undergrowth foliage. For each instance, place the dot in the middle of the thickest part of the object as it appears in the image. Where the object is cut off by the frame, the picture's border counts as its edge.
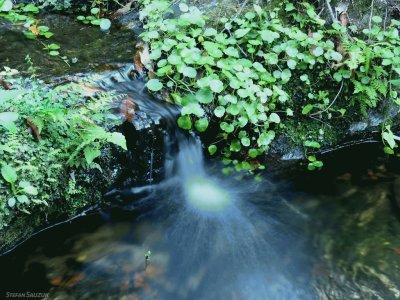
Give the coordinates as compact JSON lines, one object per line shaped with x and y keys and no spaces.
{"x":252,"y":75}
{"x":45,"y":136}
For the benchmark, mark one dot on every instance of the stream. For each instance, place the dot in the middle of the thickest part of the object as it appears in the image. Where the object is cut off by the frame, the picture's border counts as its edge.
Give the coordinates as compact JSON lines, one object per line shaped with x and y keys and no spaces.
{"x":86,"y":47}
{"x":199,"y":234}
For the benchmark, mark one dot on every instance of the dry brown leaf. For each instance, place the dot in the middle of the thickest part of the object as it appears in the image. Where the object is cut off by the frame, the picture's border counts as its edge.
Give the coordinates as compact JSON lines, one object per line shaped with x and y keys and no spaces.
{"x":123,"y":10}
{"x":142,"y":58}
{"x":89,"y":90}
{"x":56,"y":281}
{"x":127,"y":109}
{"x":34,"y":29}
{"x":138,"y":63}
{"x":34,"y":130}
{"x":5,"y":85}
{"x":344,"y":18}
{"x":74,"y":280}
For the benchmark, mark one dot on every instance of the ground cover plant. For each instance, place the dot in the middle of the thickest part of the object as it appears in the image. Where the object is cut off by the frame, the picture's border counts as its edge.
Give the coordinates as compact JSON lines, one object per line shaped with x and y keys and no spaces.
{"x":48,"y":136}
{"x":265,"y":74}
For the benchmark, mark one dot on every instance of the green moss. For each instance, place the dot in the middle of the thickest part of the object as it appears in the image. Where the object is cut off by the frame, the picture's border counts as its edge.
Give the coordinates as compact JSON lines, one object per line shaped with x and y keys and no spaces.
{"x":55,"y":155}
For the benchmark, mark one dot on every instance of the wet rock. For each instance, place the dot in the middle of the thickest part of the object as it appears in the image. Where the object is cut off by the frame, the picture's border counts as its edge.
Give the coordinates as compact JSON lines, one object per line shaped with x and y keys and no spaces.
{"x":358,"y":127}
{"x":130,"y":21}
{"x":295,"y":154}
{"x":359,"y":11}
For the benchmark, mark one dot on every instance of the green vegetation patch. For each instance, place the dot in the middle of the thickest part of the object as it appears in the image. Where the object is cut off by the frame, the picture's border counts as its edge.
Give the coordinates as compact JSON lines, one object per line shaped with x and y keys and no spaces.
{"x":49,"y":139}
{"x":246,"y":79}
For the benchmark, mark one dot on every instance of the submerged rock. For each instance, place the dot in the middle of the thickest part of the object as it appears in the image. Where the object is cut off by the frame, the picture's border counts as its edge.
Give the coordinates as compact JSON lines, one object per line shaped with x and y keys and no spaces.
{"x":358,"y":244}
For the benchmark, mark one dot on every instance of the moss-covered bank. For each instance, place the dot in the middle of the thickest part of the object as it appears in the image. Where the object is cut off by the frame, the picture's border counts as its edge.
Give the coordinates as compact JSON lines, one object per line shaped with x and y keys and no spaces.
{"x":56,"y":158}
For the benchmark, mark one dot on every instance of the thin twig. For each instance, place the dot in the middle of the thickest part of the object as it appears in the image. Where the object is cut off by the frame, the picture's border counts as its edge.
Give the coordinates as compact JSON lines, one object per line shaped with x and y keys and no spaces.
{"x":237,"y":45}
{"x":330,"y":105}
{"x":241,"y":8}
{"x":386,"y":16}
{"x":327,"y":3}
{"x":320,"y":13}
{"x":370,"y":19}
{"x":316,"y":119}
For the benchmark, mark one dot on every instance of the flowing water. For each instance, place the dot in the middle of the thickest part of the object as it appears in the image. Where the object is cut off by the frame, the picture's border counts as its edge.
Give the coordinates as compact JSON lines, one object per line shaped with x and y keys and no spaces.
{"x":198,"y":234}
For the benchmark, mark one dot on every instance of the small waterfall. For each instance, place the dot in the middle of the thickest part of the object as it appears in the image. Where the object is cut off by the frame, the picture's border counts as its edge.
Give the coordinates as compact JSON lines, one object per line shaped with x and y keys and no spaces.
{"x":227,"y":238}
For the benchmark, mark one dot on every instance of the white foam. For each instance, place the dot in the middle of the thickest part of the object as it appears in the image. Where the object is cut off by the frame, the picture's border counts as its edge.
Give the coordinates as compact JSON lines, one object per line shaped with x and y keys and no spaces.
{"x":205,"y":195}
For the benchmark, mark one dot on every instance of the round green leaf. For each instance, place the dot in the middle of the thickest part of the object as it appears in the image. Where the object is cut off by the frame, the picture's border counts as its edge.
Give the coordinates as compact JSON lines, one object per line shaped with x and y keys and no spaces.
{"x":253,"y":153}
{"x":266,"y":138}
{"x":274,"y":117}
{"x":235,"y":146}
{"x":11,"y":202}
{"x":210,"y":32}
{"x":22,"y":199}
{"x":189,"y":72}
{"x":318,"y":51}
{"x":216,"y":86}
{"x":377,"y":19}
{"x":204,"y":96}
{"x":31,"y":190}
{"x":201,"y":125}
{"x":245,"y":141}
{"x":154,"y":85}
{"x":291,"y":64}
{"x":228,"y":128}
{"x":185,"y":122}
{"x":94,"y":10}
{"x":219,"y":111}
{"x":183,"y":7}
{"x":212,"y":149}
{"x":105,"y":24}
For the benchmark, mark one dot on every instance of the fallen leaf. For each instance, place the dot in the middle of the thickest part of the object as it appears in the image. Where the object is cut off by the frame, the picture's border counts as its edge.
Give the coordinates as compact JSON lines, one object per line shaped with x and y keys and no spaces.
{"x":5,"y":85}
{"x":138,"y":63}
{"x":56,"y":281}
{"x":397,"y":250}
{"x":127,"y":109}
{"x":89,"y":90}
{"x":74,"y":280}
{"x":34,"y":129}
{"x":344,"y":19}
{"x":34,"y":29}
{"x":142,"y":58}
{"x":123,"y":10}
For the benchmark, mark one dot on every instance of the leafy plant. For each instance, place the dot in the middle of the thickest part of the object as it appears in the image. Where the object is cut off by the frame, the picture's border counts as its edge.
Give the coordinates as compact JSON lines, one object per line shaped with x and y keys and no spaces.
{"x":252,"y":76}
{"x":45,"y":134}
{"x":24,"y":15}
{"x":95,"y":18}
{"x":389,"y":140}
